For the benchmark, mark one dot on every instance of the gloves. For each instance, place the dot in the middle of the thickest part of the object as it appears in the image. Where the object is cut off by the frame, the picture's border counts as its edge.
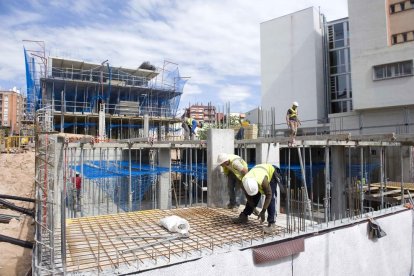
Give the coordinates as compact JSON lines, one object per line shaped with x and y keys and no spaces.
{"x":261,"y":216}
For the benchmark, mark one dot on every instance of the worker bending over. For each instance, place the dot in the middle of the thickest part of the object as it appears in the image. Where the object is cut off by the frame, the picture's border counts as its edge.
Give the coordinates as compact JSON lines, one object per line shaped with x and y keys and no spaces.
{"x":235,"y":168}
{"x":261,"y":180}
{"x":189,"y":125}
{"x":292,"y":120}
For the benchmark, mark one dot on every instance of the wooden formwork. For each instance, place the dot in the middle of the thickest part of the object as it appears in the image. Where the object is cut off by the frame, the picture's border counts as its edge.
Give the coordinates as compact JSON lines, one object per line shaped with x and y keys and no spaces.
{"x":93,"y":242}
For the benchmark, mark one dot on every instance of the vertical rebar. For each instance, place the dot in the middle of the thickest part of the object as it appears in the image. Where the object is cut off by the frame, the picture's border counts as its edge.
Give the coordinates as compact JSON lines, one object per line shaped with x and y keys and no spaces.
{"x":139,"y":181}
{"x":129,"y":178}
{"x":99,"y":251}
{"x":63,"y":231}
{"x":361,"y":182}
{"x":402,"y":175}
{"x":288,"y":195}
{"x":191,"y":178}
{"x":382,"y":176}
{"x":327,"y":185}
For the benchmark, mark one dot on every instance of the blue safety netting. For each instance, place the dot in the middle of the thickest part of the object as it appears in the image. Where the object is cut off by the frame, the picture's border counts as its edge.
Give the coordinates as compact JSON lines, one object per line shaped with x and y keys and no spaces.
{"x":34,"y":94}
{"x":112,"y":177}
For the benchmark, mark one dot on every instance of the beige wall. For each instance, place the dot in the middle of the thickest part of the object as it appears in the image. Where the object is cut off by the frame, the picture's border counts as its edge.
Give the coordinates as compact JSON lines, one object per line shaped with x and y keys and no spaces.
{"x":400,"y":21}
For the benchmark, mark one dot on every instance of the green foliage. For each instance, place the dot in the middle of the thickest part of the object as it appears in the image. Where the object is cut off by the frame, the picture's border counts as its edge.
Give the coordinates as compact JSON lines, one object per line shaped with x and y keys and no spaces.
{"x":234,"y":122}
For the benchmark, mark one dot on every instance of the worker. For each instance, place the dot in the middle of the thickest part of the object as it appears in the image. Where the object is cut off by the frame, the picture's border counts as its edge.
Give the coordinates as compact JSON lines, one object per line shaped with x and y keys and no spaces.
{"x":189,"y":125}
{"x":235,"y":168}
{"x":292,"y":120}
{"x":261,"y":180}
{"x":78,"y":184}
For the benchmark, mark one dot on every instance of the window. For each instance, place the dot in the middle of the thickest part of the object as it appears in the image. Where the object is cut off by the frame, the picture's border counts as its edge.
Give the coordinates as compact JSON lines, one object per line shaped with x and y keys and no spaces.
{"x":401,"y":6}
{"x":341,"y":106}
{"x":394,"y":39}
{"x":402,"y":37}
{"x":393,"y":70}
{"x":339,"y":35}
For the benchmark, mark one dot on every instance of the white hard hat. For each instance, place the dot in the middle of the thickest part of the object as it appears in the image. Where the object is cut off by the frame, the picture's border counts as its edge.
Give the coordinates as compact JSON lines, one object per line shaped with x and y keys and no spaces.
{"x":295,"y":104}
{"x":250,"y":186}
{"x":222,"y":157}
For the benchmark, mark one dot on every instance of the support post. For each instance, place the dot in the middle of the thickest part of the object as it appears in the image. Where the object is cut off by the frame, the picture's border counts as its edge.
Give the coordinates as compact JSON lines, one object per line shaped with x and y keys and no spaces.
{"x":338,"y":181}
{"x":164,"y":183}
{"x":218,"y":141}
{"x":129,"y":179}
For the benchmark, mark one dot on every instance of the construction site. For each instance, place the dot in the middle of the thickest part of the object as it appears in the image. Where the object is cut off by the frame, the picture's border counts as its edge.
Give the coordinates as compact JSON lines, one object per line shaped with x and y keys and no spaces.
{"x":112,"y":163}
{"x":112,"y":227}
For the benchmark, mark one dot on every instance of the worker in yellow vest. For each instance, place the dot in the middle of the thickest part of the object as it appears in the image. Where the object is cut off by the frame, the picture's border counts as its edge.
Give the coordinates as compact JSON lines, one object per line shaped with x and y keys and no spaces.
{"x":292,"y":120}
{"x":189,"y":125}
{"x":261,"y":180}
{"x":235,"y":168}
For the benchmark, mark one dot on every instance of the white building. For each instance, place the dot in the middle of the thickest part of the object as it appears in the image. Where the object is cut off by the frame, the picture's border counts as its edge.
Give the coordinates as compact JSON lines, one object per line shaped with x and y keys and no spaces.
{"x":382,"y":69}
{"x":292,"y":65}
{"x":357,"y":71}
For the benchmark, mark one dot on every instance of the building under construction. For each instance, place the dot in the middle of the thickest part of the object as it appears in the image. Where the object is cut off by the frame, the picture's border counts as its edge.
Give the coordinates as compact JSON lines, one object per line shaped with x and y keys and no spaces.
{"x":71,"y":95}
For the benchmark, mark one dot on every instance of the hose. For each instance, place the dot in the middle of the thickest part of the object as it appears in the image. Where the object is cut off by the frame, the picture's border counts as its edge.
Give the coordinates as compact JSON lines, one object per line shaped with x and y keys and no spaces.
{"x":17,"y":208}
{"x":22,"y":243}
{"x":17,"y":198}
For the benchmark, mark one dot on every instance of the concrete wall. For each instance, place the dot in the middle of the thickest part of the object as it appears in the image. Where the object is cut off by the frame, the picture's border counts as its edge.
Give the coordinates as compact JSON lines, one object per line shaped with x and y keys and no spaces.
{"x":370,"y":47}
{"x":346,"y":251}
{"x":373,"y":121}
{"x":292,"y":64}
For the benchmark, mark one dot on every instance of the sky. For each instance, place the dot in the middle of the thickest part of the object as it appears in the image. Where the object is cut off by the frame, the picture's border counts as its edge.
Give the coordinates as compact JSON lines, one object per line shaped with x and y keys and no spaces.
{"x":216,"y":43}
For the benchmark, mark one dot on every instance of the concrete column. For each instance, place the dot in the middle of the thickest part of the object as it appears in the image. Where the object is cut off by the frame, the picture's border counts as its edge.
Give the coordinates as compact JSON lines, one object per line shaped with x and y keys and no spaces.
{"x":164,"y":183}
{"x":58,"y":179}
{"x":218,"y":141}
{"x":269,"y":153}
{"x":146,"y":125}
{"x":338,"y":181}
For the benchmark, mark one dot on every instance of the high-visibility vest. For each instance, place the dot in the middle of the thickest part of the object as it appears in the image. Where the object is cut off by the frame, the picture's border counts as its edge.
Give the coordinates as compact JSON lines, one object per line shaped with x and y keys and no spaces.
{"x":293,"y":113}
{"x":189,"y":121}
{"x":259,"y":172}
{"x":232,"y":158}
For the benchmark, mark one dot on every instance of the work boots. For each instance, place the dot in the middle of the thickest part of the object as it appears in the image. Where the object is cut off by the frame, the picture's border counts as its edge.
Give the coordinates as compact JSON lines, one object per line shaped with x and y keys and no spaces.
{"x":270,"y":228}
{"x":242,"y":219}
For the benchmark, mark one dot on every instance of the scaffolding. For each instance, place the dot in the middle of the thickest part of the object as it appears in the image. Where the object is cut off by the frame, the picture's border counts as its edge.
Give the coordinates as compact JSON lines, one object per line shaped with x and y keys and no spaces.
{"x":74,"y":90}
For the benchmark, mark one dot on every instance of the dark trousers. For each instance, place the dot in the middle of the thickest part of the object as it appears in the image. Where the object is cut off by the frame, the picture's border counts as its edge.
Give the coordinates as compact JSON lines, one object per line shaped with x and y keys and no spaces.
{"x":254,"y":200}
{"x":187,"y":131}
{"x":235,"y":191}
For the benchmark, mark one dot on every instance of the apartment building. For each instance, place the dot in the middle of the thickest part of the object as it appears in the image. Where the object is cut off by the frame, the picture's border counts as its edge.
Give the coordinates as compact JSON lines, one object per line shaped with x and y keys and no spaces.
{"x":11,"y":110}
{"x":205,"y":113}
